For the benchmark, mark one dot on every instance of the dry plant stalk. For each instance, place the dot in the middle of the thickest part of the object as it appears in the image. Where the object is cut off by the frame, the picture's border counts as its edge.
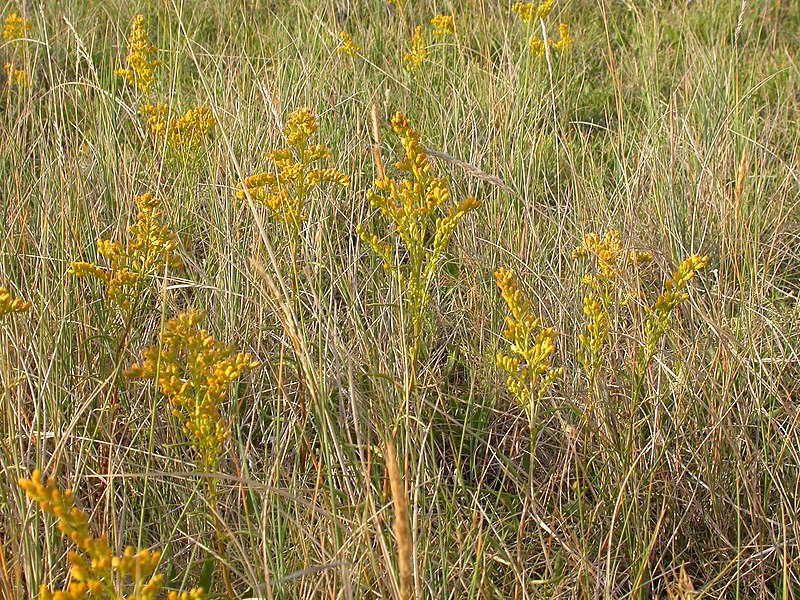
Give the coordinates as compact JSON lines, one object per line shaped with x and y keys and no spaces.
{"x":402,"y":531}
{"x":376,"y":141}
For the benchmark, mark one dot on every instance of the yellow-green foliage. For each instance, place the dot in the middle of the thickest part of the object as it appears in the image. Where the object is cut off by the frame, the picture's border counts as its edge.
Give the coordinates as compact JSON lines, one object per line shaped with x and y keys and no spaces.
{"x":141,"y":64}
{"x":412,"y":204}
{"x":186,"y":136}
{"x":10,"y":304}
{"x":529,"y":359}
{"x":16,"y":27}
{"x":194,"y":372}
{"x":286,"y":189}
{"x":133,"y":268}
{"x":347,"y":45}
{"x":95,"y":571}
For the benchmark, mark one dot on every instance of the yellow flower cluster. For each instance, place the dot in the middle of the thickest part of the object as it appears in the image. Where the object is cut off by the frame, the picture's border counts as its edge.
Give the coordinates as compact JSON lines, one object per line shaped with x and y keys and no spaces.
{"x":15,"y":76}
{"x":419,"y":52}
{"x":187,"y":135}
{"x":659,"y":315}
{"x":16,"y":27}
{"x":194,"y":372}
{"x":443,"y":25}
{"x":528,"y":364}
{"x":348,"y":46}
{"x":565,"y":43}
{"x":9,"y":304}
{"x":531,"y":12}
{"x":95,"y":571}
{"x":132,"y":268}
{"x":610,"y":260}
{"x":286,"y":188}
{"x":410,"y":204}
{"x":141,"y":64}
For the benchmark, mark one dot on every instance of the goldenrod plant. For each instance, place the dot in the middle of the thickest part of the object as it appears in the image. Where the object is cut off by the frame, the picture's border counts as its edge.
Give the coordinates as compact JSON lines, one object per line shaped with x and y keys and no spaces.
{"x":443,"y":25}
{"x":132,"y":270}
{"x":185,"y":136}
{"x":96,"y":573}
{"x":533,"y":14}
{"x":347,"y":46}
{"x":415,"y":58}
{"x":10,"y":304}
{"x":14,"y":76}
{"x":140,"y":59}
{"x":528,"y":362}
{"x":659,"y":315}
{"x":413,"y":205}
{"x":16,"y":27}
{"x":286,"y":188}
{"x":194,"y":372}
{"x":613,"y":278}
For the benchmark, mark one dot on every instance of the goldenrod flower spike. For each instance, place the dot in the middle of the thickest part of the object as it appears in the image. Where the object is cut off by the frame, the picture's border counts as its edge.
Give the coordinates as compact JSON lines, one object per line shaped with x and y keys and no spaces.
{"x":285,"y":190}
{"x":186,"y":135}
{"x":132,"y":268}
{"x":531,"y":12}
{"x":16,"y":27}
{"x":141,"y":64}
{"x":443,"y":25}
{"x":411,"y":204}
{"x":15,"y":77}
{"x":529,"y":362}
{"x":95,"y":571}
{"x":10,"y":305}
{"x":419,"y":52}
{"x":659,"y":319}
{"x":194,"y":372}
{"x":348,"y":46}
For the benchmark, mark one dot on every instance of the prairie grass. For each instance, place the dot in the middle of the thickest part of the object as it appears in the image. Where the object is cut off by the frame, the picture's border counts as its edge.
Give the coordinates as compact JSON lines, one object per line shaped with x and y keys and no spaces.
{"x":674,"y":124}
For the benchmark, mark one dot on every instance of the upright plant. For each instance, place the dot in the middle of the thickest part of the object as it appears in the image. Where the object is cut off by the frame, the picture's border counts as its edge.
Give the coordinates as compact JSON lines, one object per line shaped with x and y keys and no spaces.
{"x":132,"y":270}
{"x":194,"y":371}
{"x":95,"y":572}
{"x":413,"y":203}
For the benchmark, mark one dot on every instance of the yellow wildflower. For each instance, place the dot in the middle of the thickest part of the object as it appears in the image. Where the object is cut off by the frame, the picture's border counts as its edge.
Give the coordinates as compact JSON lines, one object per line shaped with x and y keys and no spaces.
{"x":348,"y":46}
{"x":419,"y":52}
{"x":9,"y":304}
{"x":194,"y":372}
{"x":659,"y":315}
{"x":528,"y":364}
{"x":141,"y":64}
{"x":286,"y":189}
{"x":95,"y":571}
{"x":131,"y":269}
{"x":530,"y":12}
{"x":15,"y":76}
{"x":566,"y":42}
{"x":186,"y":135}
{"x":411,"y":205}
{"x":16,"y":27}
{"x":443,"y":25}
